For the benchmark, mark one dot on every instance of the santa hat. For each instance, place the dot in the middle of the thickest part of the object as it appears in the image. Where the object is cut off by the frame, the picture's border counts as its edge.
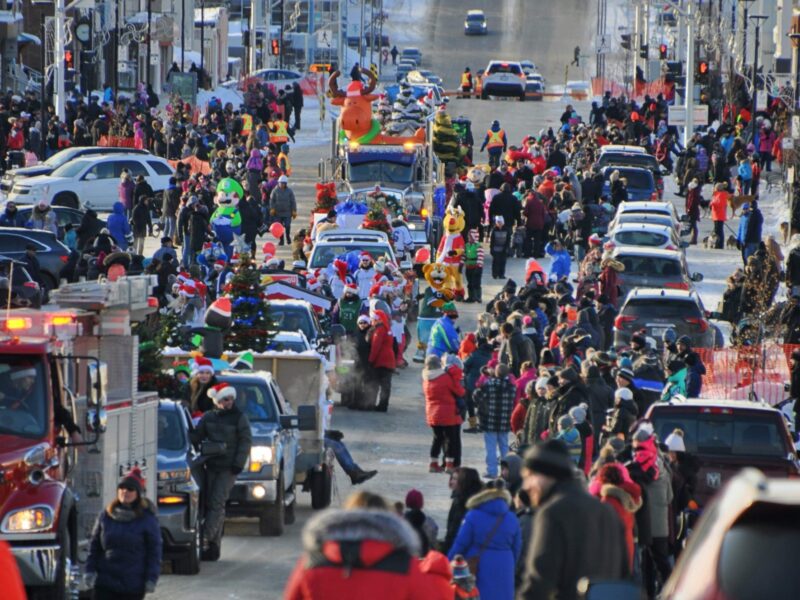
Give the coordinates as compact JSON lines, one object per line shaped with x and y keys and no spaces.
{"x":202,"y":289}
{"x":349,"y":288}
{"x":218,"y":314}
{"x":188,"y":289}
{"x":312,"y":283}
{"x":183,"y":277}
{"x":221,"y":392}
{"x":364,"y":255}
{"x":203,"y":365}
{"x":220,"y":262}
{"x":235,"y":258}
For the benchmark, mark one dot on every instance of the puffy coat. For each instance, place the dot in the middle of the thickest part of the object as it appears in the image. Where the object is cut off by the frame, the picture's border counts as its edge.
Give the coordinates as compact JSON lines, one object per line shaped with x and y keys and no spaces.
{"x":536,"y":420}
{"x":625,"y":499}
{"x":125,"y":549}
{"x":535,"y":213}
{"x":474,"y":363}
{"x":43,"y":219}
{"x":561,"y":264}
{"x":282,"y":202}
{"x":118,"y":225}
{"x":231,"y":427}
{"x":361,"y":554}
{"x":381,"y":350}
{"x":443,"y":338}
{"x":441,"y":389}
{"x":502,"y":550}
{"x":719,"y":206}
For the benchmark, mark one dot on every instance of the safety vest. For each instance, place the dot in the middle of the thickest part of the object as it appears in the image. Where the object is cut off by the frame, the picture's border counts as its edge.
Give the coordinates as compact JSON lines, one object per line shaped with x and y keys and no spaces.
{"x":466,"y":80}
{"x":247,"y":124}
{"x":283,"y":158}
{"x":495,"y":139}
{"x":281,"y":133}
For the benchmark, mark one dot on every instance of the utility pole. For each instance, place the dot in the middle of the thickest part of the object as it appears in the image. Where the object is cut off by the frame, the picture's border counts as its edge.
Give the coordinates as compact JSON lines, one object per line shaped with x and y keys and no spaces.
{"x":361,"y":37}
{"x":688,"y":129}
{"x":149,"y":41}
{"x":255,"y":12}
{"x":183,"y":33}
{"x":795,"y":37}
{"x":757,"y":19}
{"x":746,"y":4}
{"x":635,"y":47}
{"x":200,"y":81}
{"x":280,"y":44}
{"x":43,"y":113}
{"x":58,"y":62}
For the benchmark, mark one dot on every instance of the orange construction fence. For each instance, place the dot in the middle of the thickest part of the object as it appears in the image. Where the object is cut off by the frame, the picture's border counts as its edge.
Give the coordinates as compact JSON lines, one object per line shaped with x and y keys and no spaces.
{"x":195,"y":165}
{"x":115,"y":141}
{"x":601,"y":85}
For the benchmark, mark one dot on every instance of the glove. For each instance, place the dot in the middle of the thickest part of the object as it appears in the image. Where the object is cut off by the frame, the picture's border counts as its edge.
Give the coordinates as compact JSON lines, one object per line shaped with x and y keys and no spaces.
{"x":294,"y":215}
{"x":236,"y":470}
{"x":150,"y":587}
{"x":89,"y":579}
{"x":273,"y":212}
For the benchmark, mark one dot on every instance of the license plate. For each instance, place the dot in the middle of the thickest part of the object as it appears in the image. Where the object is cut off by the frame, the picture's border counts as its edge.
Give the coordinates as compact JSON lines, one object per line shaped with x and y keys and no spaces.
{"x":659,"y":331}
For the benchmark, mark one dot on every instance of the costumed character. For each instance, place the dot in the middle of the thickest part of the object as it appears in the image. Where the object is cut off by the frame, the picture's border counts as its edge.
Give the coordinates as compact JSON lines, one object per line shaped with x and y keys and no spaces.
{"x":325,"y":201}
{"x":227,"y":220}
{"x":451,"y":246}
{"x":441,"y":285}
{"x":445,"y":138}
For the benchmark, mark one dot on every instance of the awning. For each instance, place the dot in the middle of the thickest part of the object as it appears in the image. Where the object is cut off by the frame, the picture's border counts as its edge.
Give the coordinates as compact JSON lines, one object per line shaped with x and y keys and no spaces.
{"x":28,"y":38}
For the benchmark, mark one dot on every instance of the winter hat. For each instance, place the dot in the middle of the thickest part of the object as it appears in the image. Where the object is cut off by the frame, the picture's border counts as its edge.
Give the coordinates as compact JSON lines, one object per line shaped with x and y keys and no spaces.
{"x":674,"y":441}
{"x":638,"y":338}
{"x":541,"y":383}
{"x":569,"y":374}
{"x":449,"y":308}
{"x":616,"y":444}
{"x":565,"y":422}
{"x":188,"y":289}
{"x":244,"y":362}
{"x":626,"y":363}
{"x":203,"y":365}
{"x":499,"y":220}
{"x":133,"y":480}
{"x":685,"y":340}
{"x":349,"y":288}
{"x":668,"y":337}
{"x":549,"y":458}
{"x":363,"y":319}
{"x":602,"y":358}
{"x":181,"y":367}
{"x":578,"y":413}
{"x":414,"y":499}
{"x":460,"y":568}
{"x":624,"y":394}
{"x":221,"y":392}
{"x":643,"y":432}
{"x":625,"y":373}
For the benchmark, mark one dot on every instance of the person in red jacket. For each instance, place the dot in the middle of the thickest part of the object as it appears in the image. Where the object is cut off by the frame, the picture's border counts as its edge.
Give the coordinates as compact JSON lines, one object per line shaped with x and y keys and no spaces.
{"x":609,"y":279}
{"x":381,"y":361}
{"x":10,"y":579}
{"x":441,"y":388}
{"x":364,"y":553}
{"x":624,"y":496}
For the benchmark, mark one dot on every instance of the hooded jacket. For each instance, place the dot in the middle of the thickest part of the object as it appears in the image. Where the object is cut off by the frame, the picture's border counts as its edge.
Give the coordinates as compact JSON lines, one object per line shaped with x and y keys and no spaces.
{"x":561,"y":264}
{"x":488,"y":510}
{"x":625,"y":499}
{"x":441,"y":389}
{"x":381,"y":351}
{"x":118,"y":225}
{"x":360,"y":554}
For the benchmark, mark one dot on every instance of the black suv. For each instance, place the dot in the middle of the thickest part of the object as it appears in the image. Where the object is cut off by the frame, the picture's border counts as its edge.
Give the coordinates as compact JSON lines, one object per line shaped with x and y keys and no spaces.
{"x":656,"y":311}
{"x":53,"y":255}
{"x":641,"y":160}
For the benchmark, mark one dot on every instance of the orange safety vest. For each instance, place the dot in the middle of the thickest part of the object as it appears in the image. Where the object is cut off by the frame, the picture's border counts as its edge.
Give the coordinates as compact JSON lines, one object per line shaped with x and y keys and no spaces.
{"x":280,"y":135}
{"x":466,"y":80}
{"x":284,"y":158}
{"x":495,"y":139}
{"x":247,"y":124}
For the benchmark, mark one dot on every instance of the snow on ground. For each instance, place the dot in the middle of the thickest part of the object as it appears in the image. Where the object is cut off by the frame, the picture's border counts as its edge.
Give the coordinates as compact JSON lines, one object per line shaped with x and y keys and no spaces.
{"x":406,"y":21}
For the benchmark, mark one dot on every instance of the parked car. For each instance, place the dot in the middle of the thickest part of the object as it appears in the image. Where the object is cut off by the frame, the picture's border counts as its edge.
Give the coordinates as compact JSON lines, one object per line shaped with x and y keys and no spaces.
{"x":296,"y":315}
{"x":265,"y":488}
{"x":52,"y":254}
{"x":626,"y":157}
{"x":725,"y":436}
{"x":289,"y":341}
{"x":475,"y":23}
{"x":641,"y":183}
{"x":659,"y":207}
{"x":412,"y":53}
{"x":528,"y":66}
{"x":64,"y":216}
{"x":649,"y":218}
{"x":503,"y":78}
{"x":17,"y":287}
{"x":652,"y":268}
{"x":59,"y":158}
{"x":402,"y":71}
{"x":534,"y":87}
{"x":645,"y":235}
{"x":178,"y":492}
{"x":657,"y":311}
{"x":280,"y":78}
{"x":91,"y":182}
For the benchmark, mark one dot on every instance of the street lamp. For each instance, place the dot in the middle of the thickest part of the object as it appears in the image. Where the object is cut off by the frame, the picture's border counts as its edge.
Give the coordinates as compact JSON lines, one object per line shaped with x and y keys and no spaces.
{"x":757,"y":19}
{"x":744,"y":28}
{"x":795,"y":37}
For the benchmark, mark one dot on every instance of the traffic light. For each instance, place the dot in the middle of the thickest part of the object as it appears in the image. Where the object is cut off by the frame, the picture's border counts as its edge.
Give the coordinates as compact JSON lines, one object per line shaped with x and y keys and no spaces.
{"x":275,"y":47}
{"x":626,"y":41}
{"x":662,"y":51}
{"x":643,"y":51}
{"x":69,"y":59}
{"x":702,"y":71}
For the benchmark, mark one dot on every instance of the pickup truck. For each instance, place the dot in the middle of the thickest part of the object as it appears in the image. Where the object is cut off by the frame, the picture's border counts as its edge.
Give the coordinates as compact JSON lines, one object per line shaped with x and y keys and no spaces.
{"x":727,"y":436}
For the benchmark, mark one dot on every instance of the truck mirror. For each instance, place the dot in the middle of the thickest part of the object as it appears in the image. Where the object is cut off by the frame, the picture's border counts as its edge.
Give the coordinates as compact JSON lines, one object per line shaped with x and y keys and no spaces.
{"x":289,"y":421}
{"x":96,"y":420}
{"x":96,"y":377}
{"x":337,"y":332}
{"x":307,"y":417}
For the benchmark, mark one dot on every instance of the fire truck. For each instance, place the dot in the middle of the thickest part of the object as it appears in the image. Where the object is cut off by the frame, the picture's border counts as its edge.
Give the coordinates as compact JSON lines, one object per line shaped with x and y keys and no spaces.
{"x":73,"y":361}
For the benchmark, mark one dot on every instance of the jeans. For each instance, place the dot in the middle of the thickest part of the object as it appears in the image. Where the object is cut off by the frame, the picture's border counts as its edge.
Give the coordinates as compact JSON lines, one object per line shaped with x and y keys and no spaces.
{"x":766,"y":160}
{"x":342,"y":454}
{"x":719,"y":231}
{"x":494,"y":441}
{"x":473,"y":275}
{"x":533,"y":243}
{"x":495,"y":154}
{"x":170,"y":229}
{"x":138,"y":245}
{"x":447,"y":438}
{"x":746,"y":186}
{"x":219,"y":483}
{"x":287,"y":225}
{"x":748,"y":250}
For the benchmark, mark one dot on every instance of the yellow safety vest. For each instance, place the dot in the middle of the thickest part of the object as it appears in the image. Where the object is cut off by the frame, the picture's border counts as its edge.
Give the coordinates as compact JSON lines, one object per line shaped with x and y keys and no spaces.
{"x":466,"y":80}
{"x":247,"y":124}
{"x":281,"y":133}
{"x":495,"y":139}
{"x":283,"y":157}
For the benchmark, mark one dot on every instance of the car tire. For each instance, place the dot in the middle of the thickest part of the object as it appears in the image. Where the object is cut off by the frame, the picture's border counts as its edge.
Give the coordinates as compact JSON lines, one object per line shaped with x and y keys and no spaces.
{"x":271,"y":519}
{"x":61,"y":589}
{"x":189,"y":563}
{"x":66,"y":199}
{"x":321,"y":484}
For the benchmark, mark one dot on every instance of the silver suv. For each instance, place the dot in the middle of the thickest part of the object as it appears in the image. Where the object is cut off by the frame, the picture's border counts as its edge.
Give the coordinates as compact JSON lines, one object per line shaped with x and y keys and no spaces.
{"x":503,"y":78}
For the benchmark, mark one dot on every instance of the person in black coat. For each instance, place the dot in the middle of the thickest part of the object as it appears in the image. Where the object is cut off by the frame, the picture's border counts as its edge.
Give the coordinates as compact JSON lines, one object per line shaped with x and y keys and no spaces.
{"x":125,"y":550}
{"x":472,"y":206}
{"x":465,"y":482}
{"x":141,"y":223}
{"x":142,"y":189}
{"x":601,"y":398}
{"x":506,"y":205}
{"x":297,"y":104}
{"x":251,"y":221}
{"x":90,"y":226}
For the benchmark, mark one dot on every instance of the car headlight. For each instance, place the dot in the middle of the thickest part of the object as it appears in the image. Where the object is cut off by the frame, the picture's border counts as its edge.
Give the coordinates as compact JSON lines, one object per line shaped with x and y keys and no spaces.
{"x":260,"y":456}
{"x":176,"y":475}
{"x":27,"y":520}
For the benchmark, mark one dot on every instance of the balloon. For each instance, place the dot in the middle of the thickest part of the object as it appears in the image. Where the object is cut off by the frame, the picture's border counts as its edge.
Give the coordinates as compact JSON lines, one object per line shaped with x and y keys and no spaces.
{"x":230,"y":186}
{"x":422,"y":256}
{"x":277,"y":230}
{"x":268,"y":248}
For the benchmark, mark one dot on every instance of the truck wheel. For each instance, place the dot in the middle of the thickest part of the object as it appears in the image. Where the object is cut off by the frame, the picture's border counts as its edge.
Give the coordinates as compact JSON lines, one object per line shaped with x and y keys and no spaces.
{"x":189,"y":563}
{"x":321,"y":482}
{"x":270,"y":523}
{"x":288,"y":514}
{"x":61,"y":589}
{"x":66,"y":199}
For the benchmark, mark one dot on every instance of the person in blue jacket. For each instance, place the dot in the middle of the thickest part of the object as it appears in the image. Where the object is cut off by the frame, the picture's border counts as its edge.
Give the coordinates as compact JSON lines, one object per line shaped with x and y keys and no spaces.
{"x":125,"y":549}
{"x":444,"y":333}
{"x":490,"y":530}
{"x":750,"y":226}
{"x":562,"y":262}
{"x":118,"y":225}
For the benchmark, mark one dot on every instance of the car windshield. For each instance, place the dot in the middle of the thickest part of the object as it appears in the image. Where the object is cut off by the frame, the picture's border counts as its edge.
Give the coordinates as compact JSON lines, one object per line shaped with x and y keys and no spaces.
{"x":171,"y":433}
{"x":632,"y":159}
{"x":24,"y":402}
{"x":59,"y":158}
{"x":641,"y":217}
{"x":505,"y":68}
{"x":720,"y":431}
{"x":661,"y":308}
{"x":641,"y":238}
{"x":636,"y":179}
{"x":287,"y":345}
{"x":387,"y":172}
{"x":650,"y":266}
{"x":292,"y":318}
{"x":71,"y":169}
{"x":255,"y":400}
{"x":475,"y":18}
{"x":322,"y":256}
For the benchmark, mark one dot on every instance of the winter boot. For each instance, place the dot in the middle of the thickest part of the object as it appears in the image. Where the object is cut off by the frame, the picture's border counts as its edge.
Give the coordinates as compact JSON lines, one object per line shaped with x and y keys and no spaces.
{"x":360,"y":476}
{"x":450,"y":466}
{"x":473,"y":426}
{"x":435,"y":467}
{"x":419,"y":357}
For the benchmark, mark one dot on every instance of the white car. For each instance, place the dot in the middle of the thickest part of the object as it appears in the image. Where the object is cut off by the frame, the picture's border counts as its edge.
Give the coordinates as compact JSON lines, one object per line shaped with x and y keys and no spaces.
{"x":91,"y":182}
{"x":646,"y":235}
{"x":578,"y":88}
{"x":528,"y":66}
{"x":331,"y":245}
{"x":280,"y":78}
{"x":503,"y":78}
{"x":291,"y":341}
{"x":650,"y":206}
